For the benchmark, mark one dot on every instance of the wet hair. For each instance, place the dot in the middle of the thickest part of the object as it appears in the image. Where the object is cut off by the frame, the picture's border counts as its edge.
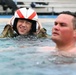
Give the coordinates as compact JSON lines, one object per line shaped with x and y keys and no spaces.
{"x":33,"y":28}
{"x":72,"y":14}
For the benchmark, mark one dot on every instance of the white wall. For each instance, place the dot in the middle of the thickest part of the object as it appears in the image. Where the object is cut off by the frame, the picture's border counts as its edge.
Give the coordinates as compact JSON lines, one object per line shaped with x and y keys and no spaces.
{"x":54,"y":5}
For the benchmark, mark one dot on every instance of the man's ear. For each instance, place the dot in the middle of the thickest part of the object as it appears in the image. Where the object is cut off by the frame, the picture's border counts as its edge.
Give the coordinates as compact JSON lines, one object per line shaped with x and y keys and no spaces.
{"x":75,"y":33}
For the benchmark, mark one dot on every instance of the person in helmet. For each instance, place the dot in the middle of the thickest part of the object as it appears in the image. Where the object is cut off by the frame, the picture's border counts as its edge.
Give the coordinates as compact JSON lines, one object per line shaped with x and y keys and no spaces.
{"x":24,"y":22}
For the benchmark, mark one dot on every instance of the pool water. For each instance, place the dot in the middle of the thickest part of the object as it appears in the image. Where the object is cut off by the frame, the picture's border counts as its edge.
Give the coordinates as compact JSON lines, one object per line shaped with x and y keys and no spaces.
{"x":31,"y":56}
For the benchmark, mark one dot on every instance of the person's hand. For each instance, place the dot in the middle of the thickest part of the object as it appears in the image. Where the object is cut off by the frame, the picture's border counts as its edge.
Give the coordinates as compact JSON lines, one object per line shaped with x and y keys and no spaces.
{"x":10,"y":21}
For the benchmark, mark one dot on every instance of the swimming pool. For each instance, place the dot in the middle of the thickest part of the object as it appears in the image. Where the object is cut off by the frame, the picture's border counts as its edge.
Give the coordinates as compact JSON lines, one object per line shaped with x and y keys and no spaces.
{"x":31,"y":56}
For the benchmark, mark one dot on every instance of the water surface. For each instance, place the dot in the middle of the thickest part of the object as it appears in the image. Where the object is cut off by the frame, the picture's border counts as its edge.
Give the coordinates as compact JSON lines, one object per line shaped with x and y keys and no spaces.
{"x":31,"y":56}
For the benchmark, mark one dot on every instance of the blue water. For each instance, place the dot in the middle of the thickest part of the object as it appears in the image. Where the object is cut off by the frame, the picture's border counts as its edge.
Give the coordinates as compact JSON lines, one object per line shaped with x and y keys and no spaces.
{"x":43,"y":16}
{"x":31,"y":56}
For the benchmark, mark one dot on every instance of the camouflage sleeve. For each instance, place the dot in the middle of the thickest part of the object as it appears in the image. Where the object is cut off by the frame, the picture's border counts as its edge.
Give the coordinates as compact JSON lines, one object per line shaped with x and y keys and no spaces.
{"x":42,"y":33}
{"x":7,"y":31}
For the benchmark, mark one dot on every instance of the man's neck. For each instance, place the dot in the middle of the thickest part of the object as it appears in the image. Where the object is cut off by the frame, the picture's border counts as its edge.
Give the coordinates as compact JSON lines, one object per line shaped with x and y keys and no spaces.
{"x":67,"y":47}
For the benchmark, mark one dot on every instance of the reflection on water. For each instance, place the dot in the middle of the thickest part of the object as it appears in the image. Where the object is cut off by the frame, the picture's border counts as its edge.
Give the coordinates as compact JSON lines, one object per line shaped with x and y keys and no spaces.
{"x":31,"y":56}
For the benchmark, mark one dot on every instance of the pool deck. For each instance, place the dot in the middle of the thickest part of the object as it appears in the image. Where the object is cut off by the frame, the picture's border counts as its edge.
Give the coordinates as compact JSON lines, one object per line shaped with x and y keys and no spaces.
{"x":42,"y":19}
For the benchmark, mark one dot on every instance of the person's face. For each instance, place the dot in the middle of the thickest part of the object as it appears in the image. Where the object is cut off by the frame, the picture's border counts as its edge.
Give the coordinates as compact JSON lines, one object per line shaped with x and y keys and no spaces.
{"x":63,"y":30}
{"x":23,"y":27}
